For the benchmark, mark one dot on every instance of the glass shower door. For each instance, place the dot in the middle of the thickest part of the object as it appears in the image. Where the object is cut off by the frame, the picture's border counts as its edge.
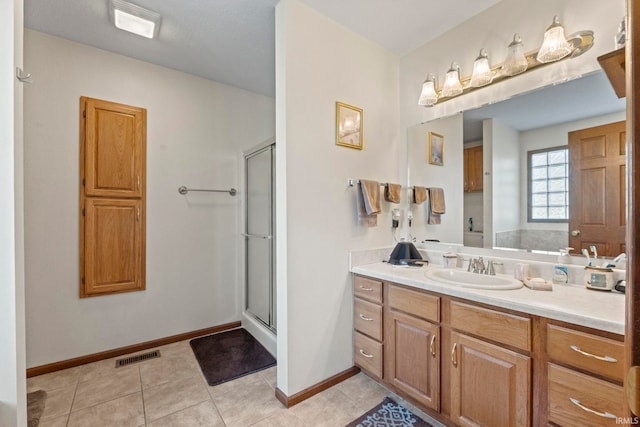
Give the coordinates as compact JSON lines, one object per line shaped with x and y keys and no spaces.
{"x":260,"y":289}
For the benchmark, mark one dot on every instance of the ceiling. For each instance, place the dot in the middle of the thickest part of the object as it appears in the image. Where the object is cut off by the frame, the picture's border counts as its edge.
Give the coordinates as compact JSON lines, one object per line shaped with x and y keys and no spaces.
{"x":233,"y":41}
{"x":588,"y":96}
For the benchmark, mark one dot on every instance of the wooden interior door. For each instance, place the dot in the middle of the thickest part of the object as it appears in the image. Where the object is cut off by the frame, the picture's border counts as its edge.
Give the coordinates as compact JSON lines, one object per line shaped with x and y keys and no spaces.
{"x":490,"y":385}
{"x":114,"y":144}
{"x":597,"y":212}
{"x":412,"y":361}
{"x":113,"y":250}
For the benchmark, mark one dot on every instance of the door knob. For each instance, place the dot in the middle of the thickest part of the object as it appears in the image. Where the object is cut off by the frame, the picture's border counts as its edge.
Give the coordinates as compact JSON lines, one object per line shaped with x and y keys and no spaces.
{"x":575,"y":233}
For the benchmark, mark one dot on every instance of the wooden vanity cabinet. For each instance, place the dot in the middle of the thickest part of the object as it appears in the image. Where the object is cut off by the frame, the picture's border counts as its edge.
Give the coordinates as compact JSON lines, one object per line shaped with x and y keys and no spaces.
{"x":412,"y":344}
{"x":587,"y":389}
{"x":367,"y":325}
{"x":473,"y":173}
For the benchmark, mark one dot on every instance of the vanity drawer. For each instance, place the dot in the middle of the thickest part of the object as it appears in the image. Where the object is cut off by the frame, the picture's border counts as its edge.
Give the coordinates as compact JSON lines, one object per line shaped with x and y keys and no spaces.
{"x":416,"y":303}
{"x":579,"y":400}
{"x":501,"y":327}
{"x":367,"y":318}
{"x":590,"y":352}
{"x":369,"y":289}
{"x":367,"y":354}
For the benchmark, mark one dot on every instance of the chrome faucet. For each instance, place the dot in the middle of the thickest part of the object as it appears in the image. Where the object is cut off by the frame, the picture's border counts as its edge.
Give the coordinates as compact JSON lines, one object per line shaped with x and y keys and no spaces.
{"x":476,"y":265}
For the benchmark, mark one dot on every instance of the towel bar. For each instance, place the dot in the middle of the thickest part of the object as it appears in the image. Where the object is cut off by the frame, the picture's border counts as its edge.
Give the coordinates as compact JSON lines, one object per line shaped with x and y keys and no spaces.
{"x":184,"y":190}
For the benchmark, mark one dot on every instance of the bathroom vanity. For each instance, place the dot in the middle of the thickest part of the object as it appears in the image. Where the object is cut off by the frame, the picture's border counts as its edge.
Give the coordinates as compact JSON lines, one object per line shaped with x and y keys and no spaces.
{"x":491,"y":357}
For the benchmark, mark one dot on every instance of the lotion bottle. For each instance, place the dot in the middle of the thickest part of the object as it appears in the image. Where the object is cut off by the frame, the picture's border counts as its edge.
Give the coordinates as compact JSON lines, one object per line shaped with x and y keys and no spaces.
{"x":560,"y":269}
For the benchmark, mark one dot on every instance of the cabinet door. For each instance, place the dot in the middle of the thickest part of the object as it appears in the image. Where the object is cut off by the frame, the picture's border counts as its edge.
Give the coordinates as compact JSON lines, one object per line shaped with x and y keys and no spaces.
{"x":114,"y":145}
{"x":412,"y":357}
{"x":474,"y":168}
{"x":490,"y":386}
{"x":112,"y":246}
{"x":466,"y":169}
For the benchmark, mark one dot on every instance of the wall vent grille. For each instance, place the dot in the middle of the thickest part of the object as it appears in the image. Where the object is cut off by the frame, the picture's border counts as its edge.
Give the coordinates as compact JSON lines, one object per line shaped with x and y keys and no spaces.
{"x":137,"y":358}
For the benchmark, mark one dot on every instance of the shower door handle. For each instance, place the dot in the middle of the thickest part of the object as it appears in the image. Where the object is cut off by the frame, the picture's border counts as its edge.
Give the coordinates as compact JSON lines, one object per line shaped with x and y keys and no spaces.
{"x":258,"y":236}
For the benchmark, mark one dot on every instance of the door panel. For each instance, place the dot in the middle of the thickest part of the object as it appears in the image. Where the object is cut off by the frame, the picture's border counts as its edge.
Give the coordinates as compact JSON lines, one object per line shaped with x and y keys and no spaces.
{"x":259,"y":205}
{"x":113,"y":249}
{"x":597,"y":188}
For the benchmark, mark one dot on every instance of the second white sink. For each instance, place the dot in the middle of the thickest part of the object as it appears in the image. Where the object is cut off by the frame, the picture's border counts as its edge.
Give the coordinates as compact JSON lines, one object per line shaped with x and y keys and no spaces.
{"x":465,"y":279}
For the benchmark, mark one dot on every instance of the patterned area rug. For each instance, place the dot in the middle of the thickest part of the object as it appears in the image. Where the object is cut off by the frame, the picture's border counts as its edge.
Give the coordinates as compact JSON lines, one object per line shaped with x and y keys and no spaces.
{"x":389,"y":414}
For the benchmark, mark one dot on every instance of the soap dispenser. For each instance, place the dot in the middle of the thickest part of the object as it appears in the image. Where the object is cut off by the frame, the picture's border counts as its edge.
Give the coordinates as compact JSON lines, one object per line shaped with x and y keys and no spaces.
{"x":560,"y":269}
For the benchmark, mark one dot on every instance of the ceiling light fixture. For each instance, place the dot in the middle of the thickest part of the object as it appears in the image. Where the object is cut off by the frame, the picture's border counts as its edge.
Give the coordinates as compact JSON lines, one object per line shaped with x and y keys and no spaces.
{"x":482,"y":74}
{"x":134,"y":19}
{"x":555,"y":47}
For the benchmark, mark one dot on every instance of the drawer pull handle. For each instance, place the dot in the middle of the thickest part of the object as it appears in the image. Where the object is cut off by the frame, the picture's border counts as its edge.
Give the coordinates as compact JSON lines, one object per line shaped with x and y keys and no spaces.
{"x":584,"y":353}
{"x":366,"y":289}
{"x":368,"y":356}
{"x":454,"y":354}
{"x":432,"y":346}
{"x":363,"y":317}
{"x":584,"y":408}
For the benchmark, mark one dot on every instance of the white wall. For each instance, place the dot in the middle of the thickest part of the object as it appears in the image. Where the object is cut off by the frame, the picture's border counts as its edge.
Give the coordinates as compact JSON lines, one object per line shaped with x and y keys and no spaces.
{"x":195,"y":132}
{"x":319,"y":62}
{"x":552,"y":136}
{"x":12,"y":335}
{"x":505,"y":174}
{"x":449,"y":176}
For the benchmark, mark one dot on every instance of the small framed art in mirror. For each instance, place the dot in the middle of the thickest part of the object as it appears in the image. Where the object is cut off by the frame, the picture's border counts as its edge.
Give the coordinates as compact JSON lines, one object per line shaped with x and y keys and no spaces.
{"x":436,"y":149}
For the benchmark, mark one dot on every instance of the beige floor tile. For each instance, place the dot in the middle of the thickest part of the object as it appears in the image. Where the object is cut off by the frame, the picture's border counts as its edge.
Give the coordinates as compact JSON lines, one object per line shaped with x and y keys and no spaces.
{"x":247,"y":404}
{"x":54,"y":380}
{"x":58,"y":402}
{"x":122,"y":382}
{"x":270,"y":376}
{"x":220,"y":389}
{"x":203,"y":414}
{"x":180,"y":348}
{"x":366,"y":392}
{"x":282,"y":419}
{"x":54,"y":421}
{"x":171,"y":397}
{"x":95,"y":370}
{"x":122,"y":412}
{"x":168,"y":369}
{"x":328,"y":409}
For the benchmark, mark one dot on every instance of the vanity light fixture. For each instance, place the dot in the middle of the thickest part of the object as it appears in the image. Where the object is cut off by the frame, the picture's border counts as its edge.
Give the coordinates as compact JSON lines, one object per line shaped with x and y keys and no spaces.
{"x":428,"y":96}
{"x":555,"y":47}
{"x":482,"y":74}
{"x":452,"y":85}
{"x":133,"y":18}
{"x":516,"y":62}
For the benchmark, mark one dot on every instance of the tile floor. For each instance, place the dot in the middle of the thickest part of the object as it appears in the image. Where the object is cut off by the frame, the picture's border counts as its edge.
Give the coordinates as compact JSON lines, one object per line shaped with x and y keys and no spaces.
{"x":171,"y":391}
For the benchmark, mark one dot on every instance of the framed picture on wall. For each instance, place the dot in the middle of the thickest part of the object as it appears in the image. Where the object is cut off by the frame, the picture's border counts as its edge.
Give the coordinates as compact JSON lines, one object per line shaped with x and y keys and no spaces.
{"x":436,"y":149}
{"x":349,"y":126}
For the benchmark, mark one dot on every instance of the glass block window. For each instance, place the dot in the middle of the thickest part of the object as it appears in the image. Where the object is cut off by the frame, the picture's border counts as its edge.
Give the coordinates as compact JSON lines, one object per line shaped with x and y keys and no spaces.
{"x":548,"y":185}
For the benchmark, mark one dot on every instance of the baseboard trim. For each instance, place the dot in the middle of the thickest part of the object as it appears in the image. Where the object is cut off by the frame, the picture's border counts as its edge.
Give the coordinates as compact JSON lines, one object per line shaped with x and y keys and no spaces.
{"x":82,"y":360}
{"x":289,"y":401}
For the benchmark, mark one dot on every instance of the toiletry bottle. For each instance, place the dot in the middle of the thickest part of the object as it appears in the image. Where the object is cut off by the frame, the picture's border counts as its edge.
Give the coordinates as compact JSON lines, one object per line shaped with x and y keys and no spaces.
{"x":560,"y":269}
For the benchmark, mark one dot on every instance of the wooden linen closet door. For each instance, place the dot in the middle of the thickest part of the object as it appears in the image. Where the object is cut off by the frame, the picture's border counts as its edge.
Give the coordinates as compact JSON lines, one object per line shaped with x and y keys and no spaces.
{"x":112,"y":197}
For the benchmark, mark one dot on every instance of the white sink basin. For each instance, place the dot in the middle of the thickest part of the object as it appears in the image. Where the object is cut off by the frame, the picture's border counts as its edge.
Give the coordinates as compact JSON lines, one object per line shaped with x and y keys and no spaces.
{"x":465,"y":279}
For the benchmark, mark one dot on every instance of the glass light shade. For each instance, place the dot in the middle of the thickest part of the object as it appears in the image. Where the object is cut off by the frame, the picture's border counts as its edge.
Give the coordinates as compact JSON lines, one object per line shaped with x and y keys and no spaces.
{"x":482,"y":74}
{"x":452,"y":85}
{"x":554,"y":46}
{"x":130,"y":17}
{"x":516,"y":61}
{"x":428,"y":96}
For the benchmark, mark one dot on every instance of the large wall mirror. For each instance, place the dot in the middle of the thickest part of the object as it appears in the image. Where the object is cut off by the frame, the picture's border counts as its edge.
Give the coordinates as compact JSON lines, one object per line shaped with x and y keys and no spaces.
{"x":539,"y":172}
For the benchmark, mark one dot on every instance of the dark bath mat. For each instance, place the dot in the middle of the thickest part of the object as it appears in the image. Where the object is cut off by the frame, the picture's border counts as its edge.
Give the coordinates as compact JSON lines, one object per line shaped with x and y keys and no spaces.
{"x":389,"y":414}
{"x":35,"y":407}
{"x":229,"y":355}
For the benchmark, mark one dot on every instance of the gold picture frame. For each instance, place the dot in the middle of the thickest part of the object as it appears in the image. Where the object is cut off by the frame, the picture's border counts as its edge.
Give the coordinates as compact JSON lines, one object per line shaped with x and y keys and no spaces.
{"x":349,"y":126}
{"x":436,"y":149}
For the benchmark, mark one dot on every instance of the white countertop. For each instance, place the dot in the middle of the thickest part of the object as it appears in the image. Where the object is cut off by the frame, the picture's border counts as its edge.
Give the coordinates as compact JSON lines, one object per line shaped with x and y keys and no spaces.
{"x":568,"y":303}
